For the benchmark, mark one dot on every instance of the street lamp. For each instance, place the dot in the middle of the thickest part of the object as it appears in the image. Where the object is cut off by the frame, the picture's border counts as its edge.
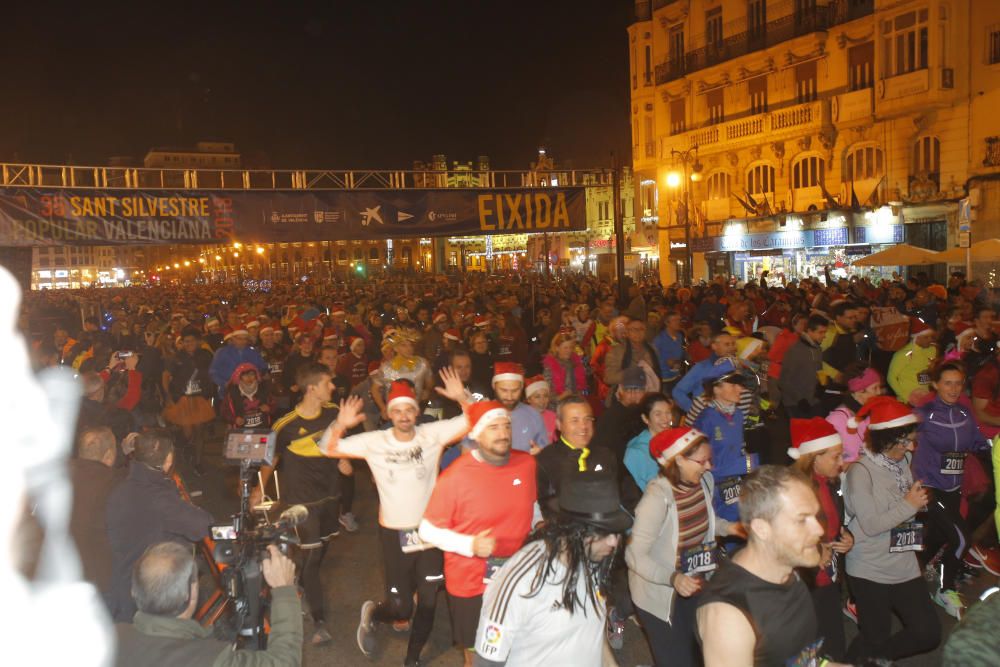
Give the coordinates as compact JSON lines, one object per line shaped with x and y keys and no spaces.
{"x":688,"y":157}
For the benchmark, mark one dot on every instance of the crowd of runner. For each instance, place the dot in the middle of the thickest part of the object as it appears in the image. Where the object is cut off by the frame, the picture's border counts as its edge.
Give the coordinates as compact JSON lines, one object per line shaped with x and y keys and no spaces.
{"x":733,"y":466}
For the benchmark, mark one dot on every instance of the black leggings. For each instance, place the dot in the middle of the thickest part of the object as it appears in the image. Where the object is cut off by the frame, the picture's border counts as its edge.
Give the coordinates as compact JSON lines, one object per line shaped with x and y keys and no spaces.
{"x":420,"y":572}
{"x":830,"y":620}
{"x":311,"y":584}
{"x":946,"y":528}
{"x":673,"y":643}
{"x":876,"y":603}
{"x":346,"y":492}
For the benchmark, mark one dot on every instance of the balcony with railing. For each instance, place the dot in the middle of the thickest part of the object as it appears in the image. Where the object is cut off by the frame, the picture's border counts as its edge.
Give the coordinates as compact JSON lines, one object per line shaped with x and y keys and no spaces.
{"x":774,"y":125}
{"x":744,"y":38}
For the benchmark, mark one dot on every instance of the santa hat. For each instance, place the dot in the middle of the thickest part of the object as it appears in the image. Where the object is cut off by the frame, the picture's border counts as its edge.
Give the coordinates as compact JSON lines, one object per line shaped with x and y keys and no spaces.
{"x":507,"y":370}
{"x":482,"y":321}
{"x":439,"y":317}
{"x":453,"y":334}
{"x":373,"y":367}
{"x":747,"y":346}
{"x":482,"y":414}
{"x":212,"y":321}
{"x":330,"y":334}
{"x":354,"y":339}
{"x":965,"y":334}
{"x":918,"y":328}
{"x":670,"y":442}
{"x":252,"y":323}
{"x":885,"y":412}
{"x":401,"y":392}
{"x":812,"y":435}
{"x":236,"y":332}
{"x":266,"y":329}
{"x":338,"y":309}
{"x":534,"y":384}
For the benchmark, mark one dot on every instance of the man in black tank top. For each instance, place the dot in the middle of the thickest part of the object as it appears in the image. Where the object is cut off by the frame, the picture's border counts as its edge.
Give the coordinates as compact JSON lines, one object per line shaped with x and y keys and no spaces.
{"x":755,"y":610}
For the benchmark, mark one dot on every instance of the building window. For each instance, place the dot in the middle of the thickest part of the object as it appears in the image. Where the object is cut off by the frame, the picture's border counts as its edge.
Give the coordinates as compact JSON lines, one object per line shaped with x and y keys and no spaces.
{"x":904,"y":43}
{"x":647,"y":75}
{"x":805,"y":13}
{"x":861,"y":65}
{"x":341,"y":256}
{"x":677,"y":49}
{"x":757,"y":90}
{"x":648,"y":198}
{"x":994,"y":45}
{"x":756,"y":19}
{"x":716,"y":106}
{"x":678,"y":121}
{"x":713,"y":31}
{"x":805,"y":82}
{"x":863,"y":163}
{"x":406,"y":255}
{"x":760,"y":179}
{"x":373,"y":254}
{"x":808,"y":172}
{"x":718,"y":185}
{"x":647,"y":123}
{"x":927,"y":158}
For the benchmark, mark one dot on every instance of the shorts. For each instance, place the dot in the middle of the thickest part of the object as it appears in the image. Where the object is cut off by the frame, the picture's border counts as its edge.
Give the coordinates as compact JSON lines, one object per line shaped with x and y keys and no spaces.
{"x":464,"y":614}
{"x":315,"y":483}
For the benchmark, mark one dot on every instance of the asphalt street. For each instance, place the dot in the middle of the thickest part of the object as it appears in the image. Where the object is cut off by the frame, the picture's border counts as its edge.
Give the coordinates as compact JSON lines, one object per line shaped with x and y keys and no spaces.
{"x":352,"y":573}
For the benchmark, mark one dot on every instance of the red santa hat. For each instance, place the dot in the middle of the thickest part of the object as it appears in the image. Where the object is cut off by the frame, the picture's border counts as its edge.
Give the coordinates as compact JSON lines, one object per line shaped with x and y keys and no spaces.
{"x":212,"y":322}
{"x":354,"y":339}
{"x":252,"y":323}
{"x":670,"y":442}
{"x":338,"y":309}
{"x":482,"y":414}
{"x":885,"y":412}
{"x":401,"y":392}
{"x":919,"y":328}
{"x":534,"y":384}
{"x":267,"y":328}
{"x":453,"y":334}
{"x":482,"y":321}
{"x":507,"y":370}
{"x":439,"y":317}
{"x":236,"y":332}
{"x":812,"y":435}
{"x":373,"y":367}
{"x":330,"y":335}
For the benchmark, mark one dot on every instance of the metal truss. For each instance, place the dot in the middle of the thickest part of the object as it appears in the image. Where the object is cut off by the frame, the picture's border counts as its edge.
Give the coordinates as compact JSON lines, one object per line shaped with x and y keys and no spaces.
{"x":134,"y":178}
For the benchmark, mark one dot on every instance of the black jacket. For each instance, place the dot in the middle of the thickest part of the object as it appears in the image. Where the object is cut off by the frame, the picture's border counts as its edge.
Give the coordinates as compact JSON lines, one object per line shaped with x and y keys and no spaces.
{"x":145,"y":509}
{"x":92,"y":484}
{"x":558,"y":461}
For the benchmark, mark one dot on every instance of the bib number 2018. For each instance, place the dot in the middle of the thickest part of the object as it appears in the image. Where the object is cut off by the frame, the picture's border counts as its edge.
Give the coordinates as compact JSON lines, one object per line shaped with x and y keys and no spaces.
{"x":907,"y":536}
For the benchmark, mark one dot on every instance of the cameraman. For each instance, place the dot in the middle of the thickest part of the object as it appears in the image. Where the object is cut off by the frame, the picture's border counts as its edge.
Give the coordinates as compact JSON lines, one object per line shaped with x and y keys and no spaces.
{"x":145,"y":509}
{"x":165,"y":589}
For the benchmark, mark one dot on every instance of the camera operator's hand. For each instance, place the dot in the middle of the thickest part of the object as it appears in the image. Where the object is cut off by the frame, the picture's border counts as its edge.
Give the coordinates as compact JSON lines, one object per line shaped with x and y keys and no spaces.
{"x":279,"y":570}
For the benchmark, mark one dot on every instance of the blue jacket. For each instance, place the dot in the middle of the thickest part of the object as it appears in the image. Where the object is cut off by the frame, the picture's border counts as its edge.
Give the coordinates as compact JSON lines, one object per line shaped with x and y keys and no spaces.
{"x":638,"y":462}
{"x":729,"y":455}
{"x":668,"y":349}
{"x":944,"y":428}
{"x":692,"y":384}
{"x":227,"y":358}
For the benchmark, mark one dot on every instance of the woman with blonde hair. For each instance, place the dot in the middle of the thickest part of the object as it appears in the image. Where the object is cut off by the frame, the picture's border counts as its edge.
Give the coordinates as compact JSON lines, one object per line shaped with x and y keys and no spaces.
{"x":563,"y":368}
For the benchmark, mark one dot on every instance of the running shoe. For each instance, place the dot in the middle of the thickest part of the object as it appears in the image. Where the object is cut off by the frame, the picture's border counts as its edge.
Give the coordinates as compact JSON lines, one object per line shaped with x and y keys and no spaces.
{"x":988,"y":557}
{"x":851,"y":611}
{"x":349,"y":522}
{"x":366,"y":628}
{"x":951,"y":601}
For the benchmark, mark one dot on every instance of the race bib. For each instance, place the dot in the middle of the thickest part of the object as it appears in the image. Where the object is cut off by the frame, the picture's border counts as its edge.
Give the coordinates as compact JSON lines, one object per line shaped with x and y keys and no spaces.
{"x":907,"y":536}
{"x":409,"y":541}
{"x":193,"y":388}
{"x":729,"y":489}
{"x":274,"y":368}
{"x":698,"y":559}
{"x":953,"y":463}
{"x":493,"y":565}
{"x":923,"y":378}
{"x":255,"y":419}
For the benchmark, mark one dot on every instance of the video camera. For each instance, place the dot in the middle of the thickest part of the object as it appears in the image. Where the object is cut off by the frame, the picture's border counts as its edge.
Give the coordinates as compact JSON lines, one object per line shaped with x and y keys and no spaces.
{"x":242,"y":544}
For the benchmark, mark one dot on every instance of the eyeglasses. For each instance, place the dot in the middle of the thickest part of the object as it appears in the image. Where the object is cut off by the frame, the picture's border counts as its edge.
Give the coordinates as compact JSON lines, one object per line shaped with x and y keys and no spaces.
{"x":701,"y":462}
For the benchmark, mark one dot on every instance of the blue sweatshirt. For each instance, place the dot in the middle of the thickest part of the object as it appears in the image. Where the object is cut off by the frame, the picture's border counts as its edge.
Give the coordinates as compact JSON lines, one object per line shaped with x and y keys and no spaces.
{"x":945,"y":435}
{"x":638,"y":462}
{"x":227,"y":358}
{"x":668,"y":349}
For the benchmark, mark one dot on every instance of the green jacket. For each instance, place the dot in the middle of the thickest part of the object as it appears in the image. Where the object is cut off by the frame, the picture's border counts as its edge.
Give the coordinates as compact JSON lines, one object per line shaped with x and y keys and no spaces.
{"x":157,"y":641}
{"x":910,"y":370}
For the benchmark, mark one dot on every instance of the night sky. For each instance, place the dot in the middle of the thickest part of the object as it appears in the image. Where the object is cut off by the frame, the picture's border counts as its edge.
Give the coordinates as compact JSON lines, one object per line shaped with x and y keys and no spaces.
{"x":363,"y":84}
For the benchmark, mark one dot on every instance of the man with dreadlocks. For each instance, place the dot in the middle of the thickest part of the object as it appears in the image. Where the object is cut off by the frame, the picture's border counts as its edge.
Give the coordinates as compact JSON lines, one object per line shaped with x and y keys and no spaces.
{"x":546,"y":605}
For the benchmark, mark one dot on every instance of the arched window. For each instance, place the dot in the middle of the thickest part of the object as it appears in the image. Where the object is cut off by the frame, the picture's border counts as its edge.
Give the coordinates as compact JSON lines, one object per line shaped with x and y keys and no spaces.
{"x":808,"y":172}
{"x":718,"y":185}
{"x":760,"y":179}
{"x":863,"y":162}
{"x":359,"y":254}
{"x":927,"y":156}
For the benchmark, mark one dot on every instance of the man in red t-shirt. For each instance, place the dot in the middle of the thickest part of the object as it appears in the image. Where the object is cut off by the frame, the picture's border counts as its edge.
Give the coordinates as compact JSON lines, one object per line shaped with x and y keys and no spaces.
{"x":986,"y":397}
{"x":480,"y":514}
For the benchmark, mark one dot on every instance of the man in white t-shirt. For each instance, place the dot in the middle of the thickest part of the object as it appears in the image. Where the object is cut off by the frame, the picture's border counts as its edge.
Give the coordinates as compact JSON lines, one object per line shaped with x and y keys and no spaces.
{"x":546,"y":605}
{"x":404,"y":462}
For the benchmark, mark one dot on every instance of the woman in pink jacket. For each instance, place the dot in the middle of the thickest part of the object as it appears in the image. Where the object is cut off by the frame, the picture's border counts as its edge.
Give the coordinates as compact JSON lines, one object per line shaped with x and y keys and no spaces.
{"x":862,"y":384}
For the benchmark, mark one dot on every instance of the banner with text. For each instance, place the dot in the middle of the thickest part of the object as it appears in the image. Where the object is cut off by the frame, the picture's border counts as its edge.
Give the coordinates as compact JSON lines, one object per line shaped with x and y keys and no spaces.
{"x":31,"y":216}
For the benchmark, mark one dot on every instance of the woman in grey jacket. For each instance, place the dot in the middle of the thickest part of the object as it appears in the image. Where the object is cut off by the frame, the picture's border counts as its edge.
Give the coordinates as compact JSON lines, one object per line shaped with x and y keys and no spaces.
{"x":673,"y":544}
{"x":882,"y":568}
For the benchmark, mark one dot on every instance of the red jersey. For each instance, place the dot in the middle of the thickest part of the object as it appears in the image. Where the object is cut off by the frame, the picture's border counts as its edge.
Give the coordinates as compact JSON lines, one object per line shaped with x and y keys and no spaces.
{"x":471,"y":496}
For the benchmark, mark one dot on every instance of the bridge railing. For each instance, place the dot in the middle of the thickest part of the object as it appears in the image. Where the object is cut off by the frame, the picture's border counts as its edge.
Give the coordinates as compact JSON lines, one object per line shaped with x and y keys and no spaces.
{"x":101,"y":177}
